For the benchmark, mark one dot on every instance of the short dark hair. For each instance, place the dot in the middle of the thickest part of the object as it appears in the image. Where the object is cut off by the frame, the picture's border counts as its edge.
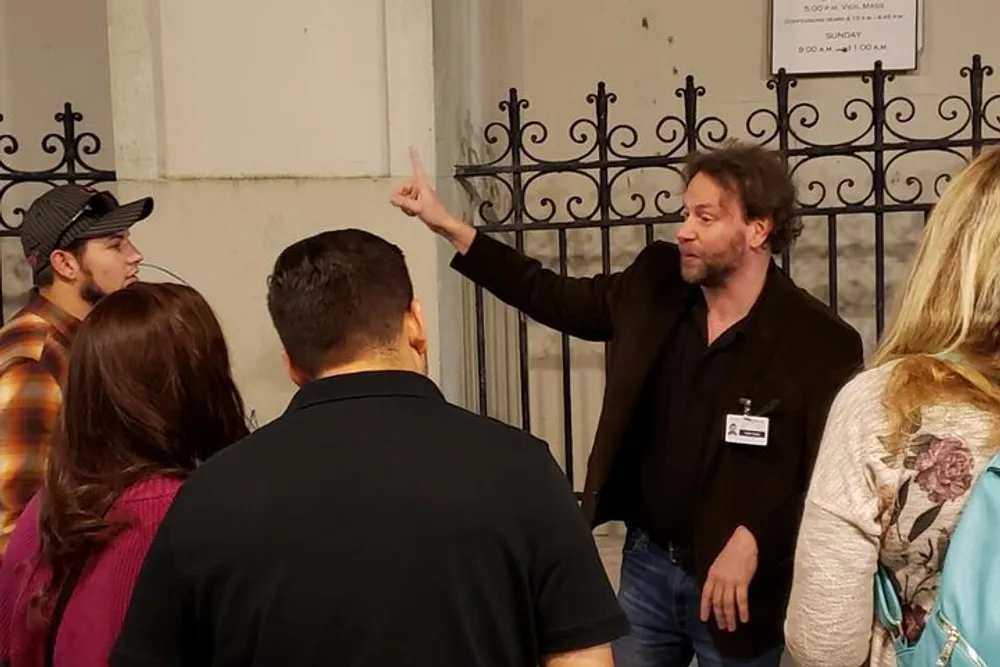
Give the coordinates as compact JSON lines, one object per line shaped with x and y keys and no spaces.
{"x":761,"y":180}
{"x":337,"y":295}
{"x":47,"y":276}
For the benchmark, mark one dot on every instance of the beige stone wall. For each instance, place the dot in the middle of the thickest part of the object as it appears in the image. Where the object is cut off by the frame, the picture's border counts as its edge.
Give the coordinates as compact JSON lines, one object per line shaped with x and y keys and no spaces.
{"x":252,"y":125}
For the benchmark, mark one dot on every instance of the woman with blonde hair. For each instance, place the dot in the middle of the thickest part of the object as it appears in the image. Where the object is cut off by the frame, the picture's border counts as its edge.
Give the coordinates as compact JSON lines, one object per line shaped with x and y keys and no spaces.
{"x":905,"y":441}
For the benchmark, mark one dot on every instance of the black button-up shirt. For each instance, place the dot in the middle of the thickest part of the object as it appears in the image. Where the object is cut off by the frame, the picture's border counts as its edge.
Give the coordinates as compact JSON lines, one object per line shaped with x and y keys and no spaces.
{"x":680,"y":402}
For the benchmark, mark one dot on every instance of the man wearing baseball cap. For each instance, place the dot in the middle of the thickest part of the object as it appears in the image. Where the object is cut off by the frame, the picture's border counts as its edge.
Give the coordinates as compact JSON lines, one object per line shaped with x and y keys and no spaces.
{"x":76,"y":241}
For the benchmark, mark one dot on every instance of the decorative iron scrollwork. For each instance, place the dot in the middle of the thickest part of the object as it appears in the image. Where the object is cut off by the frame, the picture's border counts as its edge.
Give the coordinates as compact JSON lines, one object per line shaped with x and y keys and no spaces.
{"x":72,"y":150}
{"x":879,"y":142}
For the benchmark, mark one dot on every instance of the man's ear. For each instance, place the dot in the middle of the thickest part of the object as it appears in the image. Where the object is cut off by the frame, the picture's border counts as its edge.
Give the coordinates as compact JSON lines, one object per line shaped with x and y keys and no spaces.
{"x":415,"y":328}
{"x":760,"y":232}
{"x":65,"y":264}
{"x":295,"y":375}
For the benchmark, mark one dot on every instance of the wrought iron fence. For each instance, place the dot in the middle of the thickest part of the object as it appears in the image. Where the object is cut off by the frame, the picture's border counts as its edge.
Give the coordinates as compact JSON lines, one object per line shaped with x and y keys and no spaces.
{"x":508,"y":203}
{"x":72,"y":150}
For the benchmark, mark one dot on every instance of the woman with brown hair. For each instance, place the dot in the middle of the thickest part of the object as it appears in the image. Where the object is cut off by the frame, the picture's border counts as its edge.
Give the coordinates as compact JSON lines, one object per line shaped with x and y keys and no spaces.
{"x":150,"y":394}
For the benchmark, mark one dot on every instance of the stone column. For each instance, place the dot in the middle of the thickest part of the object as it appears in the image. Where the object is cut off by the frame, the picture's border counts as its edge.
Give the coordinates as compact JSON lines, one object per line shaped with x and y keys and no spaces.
{"x":254,"y":124}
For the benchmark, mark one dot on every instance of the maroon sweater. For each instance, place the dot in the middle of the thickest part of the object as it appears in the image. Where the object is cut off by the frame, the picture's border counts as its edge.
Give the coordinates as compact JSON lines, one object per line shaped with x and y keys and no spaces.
{"x":95,"y":611}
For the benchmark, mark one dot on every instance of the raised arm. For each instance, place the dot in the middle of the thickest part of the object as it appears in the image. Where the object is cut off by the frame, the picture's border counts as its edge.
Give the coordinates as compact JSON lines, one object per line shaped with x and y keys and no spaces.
{"x":581,"y":307}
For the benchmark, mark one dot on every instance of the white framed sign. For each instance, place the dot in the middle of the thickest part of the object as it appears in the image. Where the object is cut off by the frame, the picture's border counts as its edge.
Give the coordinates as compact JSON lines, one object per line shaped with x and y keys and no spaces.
{"x":840,"y":36}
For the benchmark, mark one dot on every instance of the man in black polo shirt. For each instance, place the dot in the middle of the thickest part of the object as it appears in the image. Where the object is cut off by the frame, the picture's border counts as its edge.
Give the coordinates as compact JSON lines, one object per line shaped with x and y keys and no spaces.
{"x":373,"y":524}
{"x":720,"y":374}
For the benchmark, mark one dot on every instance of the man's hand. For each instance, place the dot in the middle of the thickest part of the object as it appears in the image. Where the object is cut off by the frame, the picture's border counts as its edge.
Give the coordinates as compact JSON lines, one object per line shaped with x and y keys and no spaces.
{"x":418,"y":198}
{"x":729,"y":580}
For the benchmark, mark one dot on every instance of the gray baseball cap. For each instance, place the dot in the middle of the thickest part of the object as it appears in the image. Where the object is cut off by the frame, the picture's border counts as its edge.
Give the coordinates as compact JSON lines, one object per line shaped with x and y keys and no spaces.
{"x":71,"y":212}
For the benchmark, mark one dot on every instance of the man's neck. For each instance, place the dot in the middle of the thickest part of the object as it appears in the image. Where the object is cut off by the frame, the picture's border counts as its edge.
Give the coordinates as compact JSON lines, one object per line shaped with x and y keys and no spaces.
{"x":731,"y":302}
{"x":66,"y":299}
{"x":367,"y":365}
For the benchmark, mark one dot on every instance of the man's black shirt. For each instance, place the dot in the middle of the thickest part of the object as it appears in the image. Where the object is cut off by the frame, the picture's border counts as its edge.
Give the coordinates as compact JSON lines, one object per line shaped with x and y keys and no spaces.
{"x":373,"y":524}
{"x":680,"y":401}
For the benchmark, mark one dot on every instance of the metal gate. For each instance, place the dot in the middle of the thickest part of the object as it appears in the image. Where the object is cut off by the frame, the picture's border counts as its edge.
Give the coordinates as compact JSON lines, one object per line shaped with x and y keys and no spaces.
{"x":503,"y":185}
{"x":71,"y":149}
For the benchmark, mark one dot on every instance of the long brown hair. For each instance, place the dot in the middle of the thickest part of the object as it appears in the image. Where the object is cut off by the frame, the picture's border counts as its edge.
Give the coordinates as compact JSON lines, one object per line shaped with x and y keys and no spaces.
{"x":150,"y":393}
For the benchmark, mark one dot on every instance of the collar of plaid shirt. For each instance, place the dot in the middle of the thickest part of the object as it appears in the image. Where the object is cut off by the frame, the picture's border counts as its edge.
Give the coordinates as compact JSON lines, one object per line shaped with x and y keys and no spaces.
{"x":62,"y":321}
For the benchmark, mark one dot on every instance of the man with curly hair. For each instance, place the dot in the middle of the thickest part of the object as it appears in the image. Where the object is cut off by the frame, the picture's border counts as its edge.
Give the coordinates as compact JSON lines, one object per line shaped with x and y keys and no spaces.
{"x":720,"y":375}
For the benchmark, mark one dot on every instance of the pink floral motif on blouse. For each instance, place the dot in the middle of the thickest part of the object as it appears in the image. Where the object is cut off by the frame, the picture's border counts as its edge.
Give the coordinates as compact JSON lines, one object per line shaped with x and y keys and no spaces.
{"x":944,"y":470}
{"x":936,"y":470}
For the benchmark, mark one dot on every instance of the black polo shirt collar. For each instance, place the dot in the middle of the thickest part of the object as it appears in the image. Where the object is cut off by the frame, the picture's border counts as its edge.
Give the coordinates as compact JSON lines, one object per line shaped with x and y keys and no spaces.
{"x":365,"y":384}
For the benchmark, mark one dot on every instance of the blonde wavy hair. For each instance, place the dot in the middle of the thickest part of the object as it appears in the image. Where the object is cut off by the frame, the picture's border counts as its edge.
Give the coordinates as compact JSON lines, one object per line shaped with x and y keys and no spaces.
{"x":946,"y":332}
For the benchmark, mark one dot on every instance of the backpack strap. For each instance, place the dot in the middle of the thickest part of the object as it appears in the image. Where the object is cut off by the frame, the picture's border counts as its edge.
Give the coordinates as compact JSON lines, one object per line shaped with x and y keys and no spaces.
{"x":888,"y":608}
{"x":57,"y":612}
{"x":952,"y":357}
{"x":994,"y":464}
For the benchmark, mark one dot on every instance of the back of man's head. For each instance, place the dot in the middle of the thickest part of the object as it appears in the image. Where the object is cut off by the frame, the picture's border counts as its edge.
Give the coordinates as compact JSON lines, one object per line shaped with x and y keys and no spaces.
{"x":343,"y":300}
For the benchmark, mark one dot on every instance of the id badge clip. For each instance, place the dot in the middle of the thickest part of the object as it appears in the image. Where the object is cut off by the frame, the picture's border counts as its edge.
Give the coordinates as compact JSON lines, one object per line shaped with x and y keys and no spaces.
{"x":746,"y":429}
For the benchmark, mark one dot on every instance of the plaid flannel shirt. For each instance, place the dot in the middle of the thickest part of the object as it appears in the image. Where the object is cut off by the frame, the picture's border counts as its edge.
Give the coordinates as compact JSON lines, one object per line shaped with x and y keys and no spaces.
{"x":34,"y":361}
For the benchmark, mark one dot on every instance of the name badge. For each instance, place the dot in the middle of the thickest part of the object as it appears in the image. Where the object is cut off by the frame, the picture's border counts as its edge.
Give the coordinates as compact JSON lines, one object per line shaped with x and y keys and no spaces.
{"x":747,"y":430}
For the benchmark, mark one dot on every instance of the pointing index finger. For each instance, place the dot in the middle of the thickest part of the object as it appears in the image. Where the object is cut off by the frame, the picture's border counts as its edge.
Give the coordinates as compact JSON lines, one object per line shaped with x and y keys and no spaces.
{"x":417,"y":164}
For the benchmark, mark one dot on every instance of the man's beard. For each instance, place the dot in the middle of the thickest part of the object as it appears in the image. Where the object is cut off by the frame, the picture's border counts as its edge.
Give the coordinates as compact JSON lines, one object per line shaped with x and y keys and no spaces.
{"x":711,"y":275}
{"x":716,"y":269}
{"x":90,"y":291}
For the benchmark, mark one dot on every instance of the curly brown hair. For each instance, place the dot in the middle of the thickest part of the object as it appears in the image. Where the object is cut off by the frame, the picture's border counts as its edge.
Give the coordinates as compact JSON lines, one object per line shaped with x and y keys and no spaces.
{"x":149,"y":393}
{"x":759,"y":178}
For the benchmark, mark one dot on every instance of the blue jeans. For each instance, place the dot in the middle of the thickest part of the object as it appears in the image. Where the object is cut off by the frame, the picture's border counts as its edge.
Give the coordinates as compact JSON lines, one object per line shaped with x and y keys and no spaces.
{"x":663,"y":603}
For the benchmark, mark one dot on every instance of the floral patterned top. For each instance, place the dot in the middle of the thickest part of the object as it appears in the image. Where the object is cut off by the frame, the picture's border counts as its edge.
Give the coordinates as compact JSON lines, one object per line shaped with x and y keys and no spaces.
{"x":866,"y":507}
